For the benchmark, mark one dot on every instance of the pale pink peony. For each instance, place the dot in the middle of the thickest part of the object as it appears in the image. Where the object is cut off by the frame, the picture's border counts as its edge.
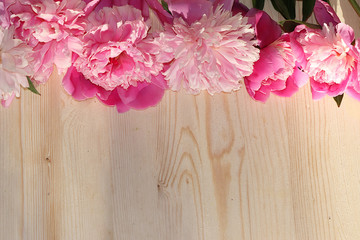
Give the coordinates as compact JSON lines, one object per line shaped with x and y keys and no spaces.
{"x":15,"y":61}
{"x":327,"y":55}
{"x":329,"y":58}
{"x":50,"y":27}
{"x":213,"y":53}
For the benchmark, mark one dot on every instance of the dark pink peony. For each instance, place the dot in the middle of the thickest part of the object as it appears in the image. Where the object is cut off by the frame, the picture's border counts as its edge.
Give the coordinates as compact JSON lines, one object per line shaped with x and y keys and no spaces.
{"x":276,"y":71}
{"x":116,"y":65}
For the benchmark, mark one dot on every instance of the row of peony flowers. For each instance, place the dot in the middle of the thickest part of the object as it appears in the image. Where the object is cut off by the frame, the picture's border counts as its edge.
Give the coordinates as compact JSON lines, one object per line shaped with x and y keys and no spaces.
{"x":112,"y":50}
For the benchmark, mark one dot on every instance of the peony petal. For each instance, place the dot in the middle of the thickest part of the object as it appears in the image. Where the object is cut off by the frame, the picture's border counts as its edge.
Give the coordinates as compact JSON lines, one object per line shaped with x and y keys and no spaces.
{"x":238,"y":7}
{"x":141,"y":97}
{"x":130,"y":94}
{"x":75,"y":45}
{"x":353,"y":93}
{"x":111,"y":98}
{"x":261,"y":94}
{"x":266,"y":29}
{"x":321,"y":89}
{"x":78,"y":86}
{"x":190,"y":10}
{"x":297,"y":48}
{"x":316,"y":95}
{"x":291,"y":88}
{"x":62,"y":57}
{"x":324,"y":13}
{"x":142,"y":5}
{"x":163,"y":15}
{"x":346,"y":32}
{"x":149,"y":96}
{"x":159,"y":81}
{"x":90,"y":6}
{"x":121,"y":107}
{"x":6,"y":103}
{"x":4,"y":15}
{"x":269,"y":63}
{"x":300,"y":78}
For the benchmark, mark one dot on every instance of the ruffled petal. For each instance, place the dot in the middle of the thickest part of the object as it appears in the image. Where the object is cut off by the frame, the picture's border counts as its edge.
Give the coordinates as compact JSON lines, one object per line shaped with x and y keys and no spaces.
{"x":324,"y":13}
{"x":266,"y":29}
{"x":78,"y":86}
{"x":190,"y":11}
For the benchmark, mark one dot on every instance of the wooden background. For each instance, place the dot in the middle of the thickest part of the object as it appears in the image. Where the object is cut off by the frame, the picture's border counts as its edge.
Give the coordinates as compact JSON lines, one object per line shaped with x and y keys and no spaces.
{"x":194,"y":167}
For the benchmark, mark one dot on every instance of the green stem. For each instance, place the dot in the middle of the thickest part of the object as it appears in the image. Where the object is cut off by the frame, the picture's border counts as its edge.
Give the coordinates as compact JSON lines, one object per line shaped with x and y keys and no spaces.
{"x":355,"y":6}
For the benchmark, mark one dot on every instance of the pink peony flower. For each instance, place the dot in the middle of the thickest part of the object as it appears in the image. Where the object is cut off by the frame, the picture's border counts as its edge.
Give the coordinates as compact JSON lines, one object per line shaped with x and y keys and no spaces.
{"x":213,"y":53}
{"x":326,"y":55}
{"x":353,"y":88}
{"x":272,"y":71}
{"x":4,"y":14}
{"x":114,"y":52}
{"x":330,"y":59}
{"x":50,"y":27}
{"x":276,"y":70}
{"x":116,"y":65}
{"x":15,"y":60}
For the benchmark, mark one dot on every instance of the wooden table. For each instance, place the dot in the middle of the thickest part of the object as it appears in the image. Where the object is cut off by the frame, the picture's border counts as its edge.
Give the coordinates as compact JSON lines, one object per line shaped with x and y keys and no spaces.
{"x":194,"y":167}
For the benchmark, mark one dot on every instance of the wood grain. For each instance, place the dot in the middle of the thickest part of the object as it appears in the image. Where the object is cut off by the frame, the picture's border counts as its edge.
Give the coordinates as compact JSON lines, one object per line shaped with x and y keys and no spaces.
{"x":194,"y":167}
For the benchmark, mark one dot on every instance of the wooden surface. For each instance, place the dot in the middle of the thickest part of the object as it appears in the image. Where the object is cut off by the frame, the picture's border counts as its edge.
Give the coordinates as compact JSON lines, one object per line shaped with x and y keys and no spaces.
{"x":194,"y":167}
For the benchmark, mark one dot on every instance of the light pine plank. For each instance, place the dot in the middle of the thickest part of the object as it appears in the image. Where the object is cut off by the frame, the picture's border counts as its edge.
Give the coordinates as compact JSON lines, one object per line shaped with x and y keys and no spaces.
{"x":11,"y":173}
{"x":323,"y":141}
{"x":40,"y":136}
{"x":83,"y":177}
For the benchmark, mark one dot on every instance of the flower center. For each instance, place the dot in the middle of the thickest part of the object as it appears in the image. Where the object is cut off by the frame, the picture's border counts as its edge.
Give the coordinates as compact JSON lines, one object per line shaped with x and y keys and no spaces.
{"x":122,"y":62}
{"x":340,"y":49}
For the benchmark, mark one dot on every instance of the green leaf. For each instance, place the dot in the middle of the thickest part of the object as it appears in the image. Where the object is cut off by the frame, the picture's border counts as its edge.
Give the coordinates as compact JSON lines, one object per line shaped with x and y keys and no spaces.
{"x":165,"y":6}
{"x":355,"y":6}
{"x":31,"y":86}
{"x":285,"y":7}
{"x":290,"y":25}
{"x":338,"y":99}
{"x":259,"y":4}
{"x":307,"y":9}
{"x":291,"y":7}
